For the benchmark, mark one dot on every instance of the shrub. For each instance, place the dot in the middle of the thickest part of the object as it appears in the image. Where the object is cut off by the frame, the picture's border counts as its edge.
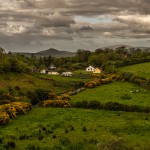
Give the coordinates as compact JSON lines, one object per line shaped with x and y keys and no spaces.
{"x":42,"y":94}
{"x":11,"y":144}
{"x":94,"y":105}
{"x":4,"y":118}
{"x":65,"y":97}
{"x":44,"y":128}
{"x":23,"y":137}
{"x":17,"y":88}
{"x":71,"y":128}
{"x":116,"y":106}
{"x":1,"y":140}
{"x":4,"y":102}
{"x":81,"y":104}
{"x":66,"y":130}
{"x":127,"y":76}
{"x":52,"y":95}
{"x":55,"y":103}
{"x":135,"y":108}
{"x":84,"y":129}
{"x":54,"y":136}
{"x":13,"y":109}
{"x":38,"y":95}
{"x":40,"y":137}
{"x":7,"y":96}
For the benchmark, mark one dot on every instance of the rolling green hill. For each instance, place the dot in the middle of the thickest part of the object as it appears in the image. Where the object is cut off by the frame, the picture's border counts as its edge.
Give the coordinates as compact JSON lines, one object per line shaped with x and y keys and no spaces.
{"x":116,"y":92}
{"x":16,"y":86}
{"x":142,"y":69}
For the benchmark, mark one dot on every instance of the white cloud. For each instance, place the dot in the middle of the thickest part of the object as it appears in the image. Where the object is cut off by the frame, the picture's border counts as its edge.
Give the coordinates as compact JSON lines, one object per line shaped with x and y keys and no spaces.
{"x":39,"y":21}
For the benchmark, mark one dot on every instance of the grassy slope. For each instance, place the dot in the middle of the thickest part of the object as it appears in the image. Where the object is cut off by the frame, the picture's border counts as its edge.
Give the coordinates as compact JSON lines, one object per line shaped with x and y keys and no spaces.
{"x":27,"y":82}
{"x":24,"y":81}
{"x":63,"y":78}
{"x":101,"y":126}
{"x":142,"y":69}
{"x":113,"y":92}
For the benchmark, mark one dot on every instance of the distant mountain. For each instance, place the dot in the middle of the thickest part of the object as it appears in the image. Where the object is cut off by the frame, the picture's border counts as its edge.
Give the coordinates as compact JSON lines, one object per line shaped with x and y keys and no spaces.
{"x":55,"y":53}
{"x":52,"y":52}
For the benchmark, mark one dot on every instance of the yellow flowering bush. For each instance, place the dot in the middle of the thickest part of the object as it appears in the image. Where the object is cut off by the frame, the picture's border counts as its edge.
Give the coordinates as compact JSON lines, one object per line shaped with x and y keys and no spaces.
{"x":22,"y":107}
{"x":55,"y":103}
{"x":63,"y":97}
{"x":4,"y":118}
{"x":101,"y":80}
{"x":13,"y":109}
{"x":10,"y":110}
{"x":91,"y":84}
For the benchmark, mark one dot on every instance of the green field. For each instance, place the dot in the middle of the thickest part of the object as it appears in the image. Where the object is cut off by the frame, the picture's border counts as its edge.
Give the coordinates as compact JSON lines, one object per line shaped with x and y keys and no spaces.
{"x":114,"y":92}
{"x":63,"y":78}
{"x":27,"y":82}
{"x":142,"y":69}
{"x":75,"y":129}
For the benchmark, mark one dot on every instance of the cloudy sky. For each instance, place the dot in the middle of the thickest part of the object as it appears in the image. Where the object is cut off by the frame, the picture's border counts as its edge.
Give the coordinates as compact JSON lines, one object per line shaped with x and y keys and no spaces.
{"x":33,"y":25}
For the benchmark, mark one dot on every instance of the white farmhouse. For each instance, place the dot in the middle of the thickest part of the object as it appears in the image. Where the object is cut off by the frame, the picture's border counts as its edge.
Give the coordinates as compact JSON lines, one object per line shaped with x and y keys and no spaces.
{"x":43,"y":71}
{"x":90,"y":69}
{"x":53,"y":73}
{"x":67,"y":74}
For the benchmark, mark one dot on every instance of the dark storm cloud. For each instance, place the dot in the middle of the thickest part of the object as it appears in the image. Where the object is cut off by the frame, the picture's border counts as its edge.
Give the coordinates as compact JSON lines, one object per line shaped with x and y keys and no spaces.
{"x":25,"y":22}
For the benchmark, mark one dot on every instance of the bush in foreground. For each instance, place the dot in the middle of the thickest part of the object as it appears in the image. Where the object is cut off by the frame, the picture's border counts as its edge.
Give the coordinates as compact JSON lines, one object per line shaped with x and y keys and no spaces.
{"x":13,"y":109}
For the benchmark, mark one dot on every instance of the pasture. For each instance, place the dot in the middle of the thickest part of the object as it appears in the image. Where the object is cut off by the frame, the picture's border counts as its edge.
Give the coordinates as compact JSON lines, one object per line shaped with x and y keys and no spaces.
{"x":142,"y":69}
{"x":75,"y":129}
{"x":20,"y":84}
{"x":77,"y":77}
{"x":121,"y":92}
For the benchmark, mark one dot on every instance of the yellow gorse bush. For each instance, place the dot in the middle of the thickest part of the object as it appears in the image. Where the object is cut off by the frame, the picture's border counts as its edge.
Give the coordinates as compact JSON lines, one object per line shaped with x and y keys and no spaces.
{"x":98,"y":80}
{"x":13,"y":109}
{"x":55,"y":103}
{"x":4,"y":118}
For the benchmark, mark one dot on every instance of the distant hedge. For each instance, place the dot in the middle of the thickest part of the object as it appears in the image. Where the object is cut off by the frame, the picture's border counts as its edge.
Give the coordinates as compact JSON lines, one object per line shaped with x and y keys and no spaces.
{"x":112,"y":106}
{"x":130,"y":77}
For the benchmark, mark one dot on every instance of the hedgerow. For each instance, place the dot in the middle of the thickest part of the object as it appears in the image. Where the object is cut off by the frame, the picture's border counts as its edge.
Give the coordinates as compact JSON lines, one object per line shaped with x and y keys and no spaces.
{"x":55,"y":103}
{"x":112,"y":106}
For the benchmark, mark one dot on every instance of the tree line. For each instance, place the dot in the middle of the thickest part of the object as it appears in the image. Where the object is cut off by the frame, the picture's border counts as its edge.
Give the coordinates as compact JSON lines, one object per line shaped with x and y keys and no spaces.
{"x":106,"y":58}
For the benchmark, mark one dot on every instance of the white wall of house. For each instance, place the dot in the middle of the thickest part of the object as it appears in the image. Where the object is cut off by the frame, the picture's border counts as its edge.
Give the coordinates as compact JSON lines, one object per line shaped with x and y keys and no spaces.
{"x":90,"y":69}
{"x":53,"y":73}
{"x":67,"y":74}
{"x":43,"y":71}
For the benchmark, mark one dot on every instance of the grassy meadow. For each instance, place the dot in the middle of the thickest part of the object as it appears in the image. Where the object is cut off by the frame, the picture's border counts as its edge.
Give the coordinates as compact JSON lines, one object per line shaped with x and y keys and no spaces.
{"x":142,"y":69}
{"x":63,"y":78}
{"x":116,"y":92}
{"x":25,"y":82}
{"x":75,"y":129}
